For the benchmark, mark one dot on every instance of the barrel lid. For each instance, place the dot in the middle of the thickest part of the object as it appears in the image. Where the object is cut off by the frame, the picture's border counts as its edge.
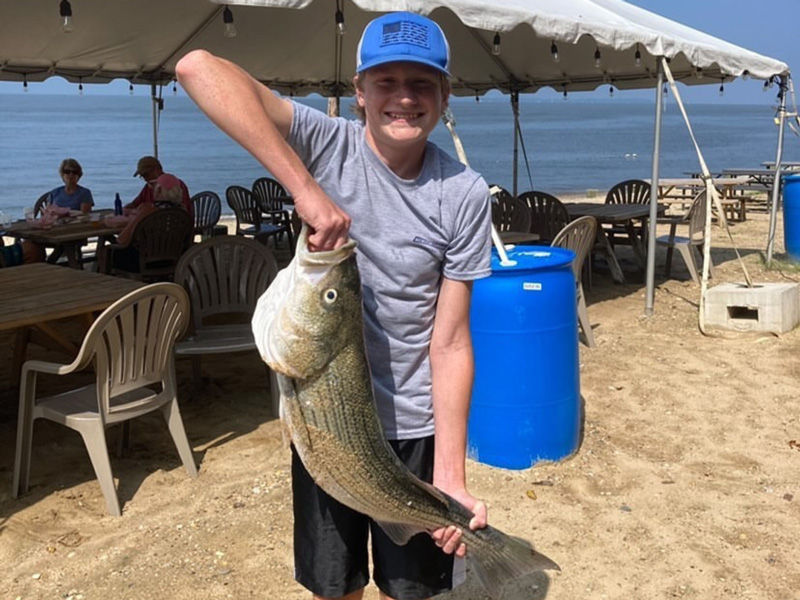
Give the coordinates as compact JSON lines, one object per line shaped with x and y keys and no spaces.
{"x":527,"y":258}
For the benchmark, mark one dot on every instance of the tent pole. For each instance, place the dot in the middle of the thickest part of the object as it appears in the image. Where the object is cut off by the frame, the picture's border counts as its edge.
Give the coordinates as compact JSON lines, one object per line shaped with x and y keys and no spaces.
{"x":154,"y":103}
{"x":515,"y":165}
{"x":651,"y":237}
{"x":776,"y":184}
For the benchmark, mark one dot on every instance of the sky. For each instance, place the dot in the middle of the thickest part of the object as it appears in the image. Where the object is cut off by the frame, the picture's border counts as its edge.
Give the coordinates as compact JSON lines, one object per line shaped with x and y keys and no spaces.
{"x":768,"y":27}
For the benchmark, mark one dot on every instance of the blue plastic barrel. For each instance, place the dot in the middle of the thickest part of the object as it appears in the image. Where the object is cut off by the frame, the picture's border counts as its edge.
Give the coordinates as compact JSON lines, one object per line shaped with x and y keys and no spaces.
{"x":526,"y":403}
{"x":791,"y":215}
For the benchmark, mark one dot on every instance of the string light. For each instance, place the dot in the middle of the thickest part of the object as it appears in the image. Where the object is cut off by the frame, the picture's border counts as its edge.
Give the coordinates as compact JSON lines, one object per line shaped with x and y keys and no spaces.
{"x":80,"y":86}
{"x":227,"y":18}
{"x":25,"y":83}
{"x":130,"y":89}
{"x":65,"y":12}
{"x":611,"y":91}
{"x":637,"y":58}
{"x":554,"y":51}
{"x":340,"y":19}
{"x":565,"y":92}
{"x":768,"y":84}
{"x":174,"y":87}
{"x":745,"y":75}
{"x":722,"y":87}
{"x":699,"y":72}
{"x":597,"y":59}
{"x":496,"y":44}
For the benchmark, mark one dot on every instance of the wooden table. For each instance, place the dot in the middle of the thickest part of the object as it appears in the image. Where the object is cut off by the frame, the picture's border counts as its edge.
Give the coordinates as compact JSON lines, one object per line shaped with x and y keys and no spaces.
{"x":35,"y":295}
{"x":67,"y":236}
{"x":677,"y":187}
{"x":684,"y":190}
{"x":763,"y":177}
{"x":625,"y":215}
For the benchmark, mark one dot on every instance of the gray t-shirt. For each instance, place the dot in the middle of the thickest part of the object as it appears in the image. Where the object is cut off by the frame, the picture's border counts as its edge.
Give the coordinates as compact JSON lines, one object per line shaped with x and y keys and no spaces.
{"x":410,"y":233}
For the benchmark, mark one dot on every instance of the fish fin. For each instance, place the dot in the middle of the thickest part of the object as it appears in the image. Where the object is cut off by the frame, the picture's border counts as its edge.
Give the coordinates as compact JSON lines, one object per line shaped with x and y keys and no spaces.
{"x":399,"y":533}
{"x":287,"y":414}
{"x":513,"y":558}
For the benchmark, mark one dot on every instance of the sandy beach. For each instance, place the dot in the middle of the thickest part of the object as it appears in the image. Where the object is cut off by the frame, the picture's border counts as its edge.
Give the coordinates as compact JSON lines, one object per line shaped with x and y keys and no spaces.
{"x":685,"y":484}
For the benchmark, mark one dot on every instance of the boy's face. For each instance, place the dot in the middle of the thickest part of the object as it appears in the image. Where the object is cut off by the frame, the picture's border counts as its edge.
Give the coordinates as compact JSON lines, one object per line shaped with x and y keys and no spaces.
{"x":402,"y":102}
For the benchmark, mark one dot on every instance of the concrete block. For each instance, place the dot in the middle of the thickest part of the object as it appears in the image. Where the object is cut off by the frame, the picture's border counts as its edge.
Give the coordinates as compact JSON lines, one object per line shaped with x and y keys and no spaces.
{"x":773,"y":307}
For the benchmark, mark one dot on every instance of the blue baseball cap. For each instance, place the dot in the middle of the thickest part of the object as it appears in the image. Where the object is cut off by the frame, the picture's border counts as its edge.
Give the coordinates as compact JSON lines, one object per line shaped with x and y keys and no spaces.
{"x":403,"y":36}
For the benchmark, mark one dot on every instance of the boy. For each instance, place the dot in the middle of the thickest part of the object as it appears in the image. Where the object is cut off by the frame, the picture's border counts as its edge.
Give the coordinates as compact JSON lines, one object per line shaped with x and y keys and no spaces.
{"x":421,"y":220}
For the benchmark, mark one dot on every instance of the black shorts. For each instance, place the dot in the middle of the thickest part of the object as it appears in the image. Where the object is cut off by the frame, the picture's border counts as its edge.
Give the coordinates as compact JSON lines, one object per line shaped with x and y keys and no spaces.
{"x":330,"y":541}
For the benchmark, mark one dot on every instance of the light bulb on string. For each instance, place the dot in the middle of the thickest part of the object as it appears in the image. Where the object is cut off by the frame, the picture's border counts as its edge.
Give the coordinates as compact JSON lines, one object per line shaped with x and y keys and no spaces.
{"x":745,"y":75}
{"x":227,"y":18}
{"x":130,"y":89}
{"x":25,"y":83}
{"x":65,"y":12}
{"x":611,"y":91}
{"x":174,"y":87}
{"x":496,"y":44}
{"x":722,"y":88}
{"x":554,"y":51}
{"x":637,"y":58}
{"x":80,"y":86}
{"x":699,"y":72}
{"x":597,"y":59}
{"x":565,"y":93}
{"x":340,"y":27}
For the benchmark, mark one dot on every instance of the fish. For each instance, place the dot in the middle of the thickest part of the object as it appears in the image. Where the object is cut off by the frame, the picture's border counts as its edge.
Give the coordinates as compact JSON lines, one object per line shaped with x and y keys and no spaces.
{"x":308,"y":327}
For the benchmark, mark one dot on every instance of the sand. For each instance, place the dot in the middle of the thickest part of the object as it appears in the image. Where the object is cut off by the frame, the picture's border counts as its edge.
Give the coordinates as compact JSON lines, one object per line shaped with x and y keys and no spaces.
{"x":685,"y":484}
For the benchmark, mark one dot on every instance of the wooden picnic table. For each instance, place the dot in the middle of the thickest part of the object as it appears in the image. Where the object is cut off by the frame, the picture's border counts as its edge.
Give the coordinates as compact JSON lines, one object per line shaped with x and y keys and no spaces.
{"x":67,"y":236}
{"x":679,"y":186}
{"x":787,"y":165}
{"x":731,"y":188}
{"x":763,"y":177}
{"x":37,"y":294}
{"x":630,"y":216}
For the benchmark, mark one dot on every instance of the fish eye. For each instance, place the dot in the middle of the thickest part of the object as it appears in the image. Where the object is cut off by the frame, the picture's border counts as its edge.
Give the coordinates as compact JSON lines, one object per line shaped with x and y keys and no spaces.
{"x":330,"y":296}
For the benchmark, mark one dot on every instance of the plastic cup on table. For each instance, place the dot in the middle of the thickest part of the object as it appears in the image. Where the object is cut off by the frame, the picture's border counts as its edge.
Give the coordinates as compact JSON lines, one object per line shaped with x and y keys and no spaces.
{"x":29,"y":214}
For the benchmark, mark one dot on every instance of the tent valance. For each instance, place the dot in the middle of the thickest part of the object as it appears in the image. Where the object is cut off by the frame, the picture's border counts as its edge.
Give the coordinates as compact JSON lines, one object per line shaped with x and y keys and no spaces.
{"x":292,"y":44}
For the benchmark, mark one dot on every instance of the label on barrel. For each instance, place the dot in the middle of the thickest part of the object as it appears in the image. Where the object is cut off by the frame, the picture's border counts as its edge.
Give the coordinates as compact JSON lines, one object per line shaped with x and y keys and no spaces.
{"x":532,"y":286}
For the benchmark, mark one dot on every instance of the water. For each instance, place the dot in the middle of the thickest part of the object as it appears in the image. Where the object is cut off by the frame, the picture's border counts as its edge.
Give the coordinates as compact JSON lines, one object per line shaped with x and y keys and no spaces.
{"x":572,"y":146}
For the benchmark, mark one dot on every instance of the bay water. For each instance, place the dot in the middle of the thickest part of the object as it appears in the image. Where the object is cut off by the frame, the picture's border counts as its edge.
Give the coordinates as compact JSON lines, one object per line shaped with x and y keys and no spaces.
{"x":572,"y":146}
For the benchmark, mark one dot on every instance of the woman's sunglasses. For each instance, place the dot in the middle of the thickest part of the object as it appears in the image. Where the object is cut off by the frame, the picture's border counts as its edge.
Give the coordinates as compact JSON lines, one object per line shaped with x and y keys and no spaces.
{"x":70,"y":172}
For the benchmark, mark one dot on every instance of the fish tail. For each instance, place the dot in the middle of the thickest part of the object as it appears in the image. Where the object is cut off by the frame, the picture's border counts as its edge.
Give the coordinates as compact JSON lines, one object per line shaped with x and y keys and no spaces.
{"x":511,"y":558}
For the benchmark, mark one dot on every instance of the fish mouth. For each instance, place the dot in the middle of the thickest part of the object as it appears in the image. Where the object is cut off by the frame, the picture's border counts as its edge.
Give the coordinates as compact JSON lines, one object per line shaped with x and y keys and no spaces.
{"x":312,"y":261}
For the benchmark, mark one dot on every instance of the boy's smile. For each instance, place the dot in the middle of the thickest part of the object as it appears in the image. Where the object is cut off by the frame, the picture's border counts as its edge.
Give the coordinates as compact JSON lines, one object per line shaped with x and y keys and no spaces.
{"x":403,"y":102}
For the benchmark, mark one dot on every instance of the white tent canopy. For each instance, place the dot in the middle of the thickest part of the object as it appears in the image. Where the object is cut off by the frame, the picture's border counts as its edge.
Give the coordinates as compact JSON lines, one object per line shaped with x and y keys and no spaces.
{"x":292,"y":44}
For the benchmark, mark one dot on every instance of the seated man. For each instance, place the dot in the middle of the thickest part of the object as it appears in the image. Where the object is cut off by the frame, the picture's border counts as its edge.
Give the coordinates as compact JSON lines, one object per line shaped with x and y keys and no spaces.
{"x":167,"y":191}
{"x":149,"y":168}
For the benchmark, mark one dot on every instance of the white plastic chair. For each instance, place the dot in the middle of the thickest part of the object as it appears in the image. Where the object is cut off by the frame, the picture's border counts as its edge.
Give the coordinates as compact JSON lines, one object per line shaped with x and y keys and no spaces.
{"x":579,"y":236}
{"x":696,"y":219}
{"x":224,"y":277}
{"x":131,"y":347}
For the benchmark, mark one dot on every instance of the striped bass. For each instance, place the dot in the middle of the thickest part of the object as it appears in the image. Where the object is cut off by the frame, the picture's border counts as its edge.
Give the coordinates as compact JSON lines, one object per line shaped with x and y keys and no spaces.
{"x":308,"y":327}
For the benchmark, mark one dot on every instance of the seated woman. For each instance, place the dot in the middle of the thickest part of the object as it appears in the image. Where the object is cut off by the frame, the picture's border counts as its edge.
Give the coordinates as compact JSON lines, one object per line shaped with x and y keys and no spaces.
{"x":71,"y":195}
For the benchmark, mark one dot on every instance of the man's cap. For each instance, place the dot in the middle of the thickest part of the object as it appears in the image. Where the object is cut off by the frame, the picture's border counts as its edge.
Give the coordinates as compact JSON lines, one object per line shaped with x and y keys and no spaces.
{"x":403,"y":36}
{"x":145,"y":163}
